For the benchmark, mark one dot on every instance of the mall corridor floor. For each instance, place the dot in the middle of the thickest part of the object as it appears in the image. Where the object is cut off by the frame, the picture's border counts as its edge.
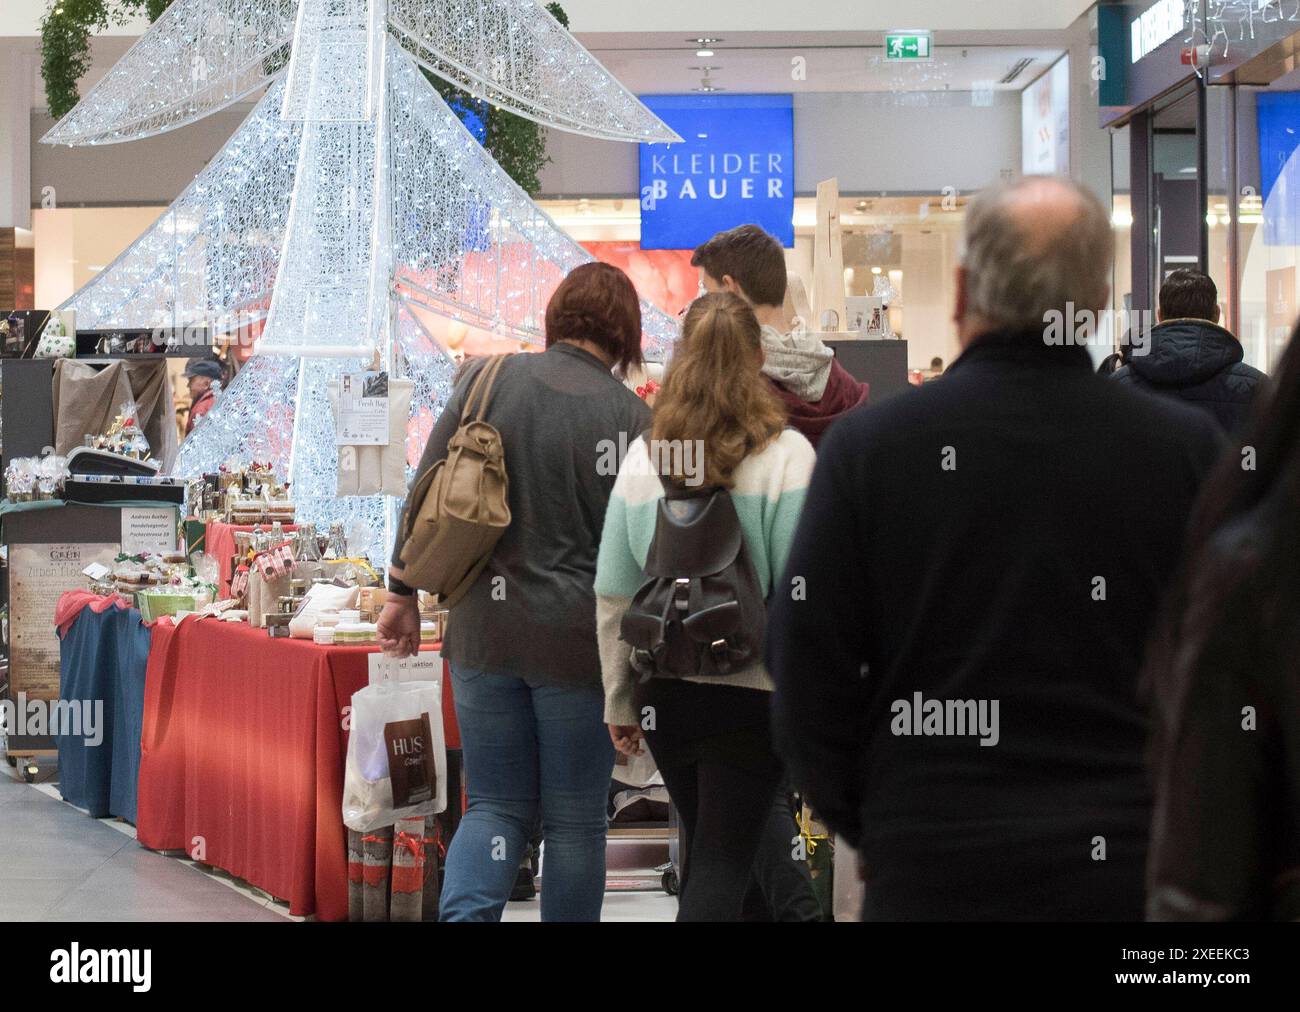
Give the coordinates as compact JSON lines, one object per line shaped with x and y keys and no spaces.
{"x":64,"y":866}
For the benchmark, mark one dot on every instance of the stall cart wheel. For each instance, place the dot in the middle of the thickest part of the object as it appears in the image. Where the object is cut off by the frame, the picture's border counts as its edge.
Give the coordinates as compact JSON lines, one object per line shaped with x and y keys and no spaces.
{"x":29,"y":772}
{"x":670,"y":882}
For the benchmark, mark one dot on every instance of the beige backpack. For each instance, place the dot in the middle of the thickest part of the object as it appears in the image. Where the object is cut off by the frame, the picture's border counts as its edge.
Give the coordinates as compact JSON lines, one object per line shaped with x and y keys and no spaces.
{"x":459,"y":509}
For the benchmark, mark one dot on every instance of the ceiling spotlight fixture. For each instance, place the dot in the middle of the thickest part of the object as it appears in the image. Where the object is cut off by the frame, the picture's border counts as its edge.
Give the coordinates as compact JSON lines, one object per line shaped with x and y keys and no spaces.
{"x":707,"y":85}
{"x":862,"y":205}
{"x":704,"y":40}
{"x":704,"y":53}
{"x":705,"y":69}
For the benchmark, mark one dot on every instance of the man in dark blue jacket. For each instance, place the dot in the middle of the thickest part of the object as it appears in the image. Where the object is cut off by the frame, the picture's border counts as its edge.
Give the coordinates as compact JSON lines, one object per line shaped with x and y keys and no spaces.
{"x":1191,"y":357}
{"x":957,"y":642}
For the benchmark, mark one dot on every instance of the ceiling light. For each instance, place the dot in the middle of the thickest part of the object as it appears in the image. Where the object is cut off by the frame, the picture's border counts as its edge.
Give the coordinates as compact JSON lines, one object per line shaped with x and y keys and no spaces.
{"x":875,"y":270}
{"x":705,"y":69}
{"x":704,"y":40}
{"x":704,"y":53}
{"x":1016,"y":70}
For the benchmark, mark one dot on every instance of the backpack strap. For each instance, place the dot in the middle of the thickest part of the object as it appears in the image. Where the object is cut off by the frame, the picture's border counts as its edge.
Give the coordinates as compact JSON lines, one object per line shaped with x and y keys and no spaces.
{"x":481,"y":390}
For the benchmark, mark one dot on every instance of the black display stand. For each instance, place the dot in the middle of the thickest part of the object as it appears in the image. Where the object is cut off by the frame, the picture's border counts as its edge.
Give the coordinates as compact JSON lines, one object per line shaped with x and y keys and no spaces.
{"x":27,"y":418}
{"x":881,"y":362}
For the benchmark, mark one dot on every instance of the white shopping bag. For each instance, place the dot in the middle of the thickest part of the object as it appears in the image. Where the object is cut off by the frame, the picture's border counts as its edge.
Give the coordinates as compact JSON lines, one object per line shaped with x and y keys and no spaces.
{"x":388,"y":748}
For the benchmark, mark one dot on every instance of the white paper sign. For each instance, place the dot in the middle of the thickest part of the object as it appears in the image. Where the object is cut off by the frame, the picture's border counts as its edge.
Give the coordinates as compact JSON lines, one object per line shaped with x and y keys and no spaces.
{"x":363,"y":409}
{"x":426,"y":666}
{"x":146,"y":530}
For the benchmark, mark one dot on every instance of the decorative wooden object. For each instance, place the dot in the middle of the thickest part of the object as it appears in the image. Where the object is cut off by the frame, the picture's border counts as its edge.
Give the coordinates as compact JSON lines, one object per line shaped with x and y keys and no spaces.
{"x":828,"y":262}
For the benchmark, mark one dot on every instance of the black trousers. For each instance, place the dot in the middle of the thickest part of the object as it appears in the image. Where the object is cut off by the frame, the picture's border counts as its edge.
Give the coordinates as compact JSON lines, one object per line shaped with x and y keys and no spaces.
{"x":780,"y":887}
{"x":713,"y":746}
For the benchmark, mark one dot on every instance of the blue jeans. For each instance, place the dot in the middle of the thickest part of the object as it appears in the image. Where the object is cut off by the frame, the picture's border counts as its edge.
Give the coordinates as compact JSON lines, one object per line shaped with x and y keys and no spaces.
{"x":529,"y":747}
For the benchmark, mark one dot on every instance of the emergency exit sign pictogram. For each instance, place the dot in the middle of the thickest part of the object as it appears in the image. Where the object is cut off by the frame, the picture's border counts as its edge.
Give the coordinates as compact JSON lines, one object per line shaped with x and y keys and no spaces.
{"x":909,"y":44}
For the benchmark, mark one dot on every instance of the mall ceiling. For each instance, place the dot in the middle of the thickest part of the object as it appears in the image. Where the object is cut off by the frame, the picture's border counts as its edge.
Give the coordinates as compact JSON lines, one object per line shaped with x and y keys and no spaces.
{"x":22,"y":17}
{"x":814,"y":46}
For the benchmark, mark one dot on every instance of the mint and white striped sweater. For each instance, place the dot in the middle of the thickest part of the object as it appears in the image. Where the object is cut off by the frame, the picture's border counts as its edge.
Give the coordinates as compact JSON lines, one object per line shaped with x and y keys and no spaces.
{"x":768,"y":495}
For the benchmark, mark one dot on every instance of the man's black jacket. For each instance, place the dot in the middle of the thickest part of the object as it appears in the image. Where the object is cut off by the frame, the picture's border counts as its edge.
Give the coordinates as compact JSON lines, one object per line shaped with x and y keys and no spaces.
{"x":1199,"y":363}
{"x":1006,"y":534}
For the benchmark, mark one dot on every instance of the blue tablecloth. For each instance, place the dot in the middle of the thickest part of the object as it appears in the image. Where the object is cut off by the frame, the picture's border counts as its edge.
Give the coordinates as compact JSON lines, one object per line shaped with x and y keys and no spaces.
{"x":103,"y":658}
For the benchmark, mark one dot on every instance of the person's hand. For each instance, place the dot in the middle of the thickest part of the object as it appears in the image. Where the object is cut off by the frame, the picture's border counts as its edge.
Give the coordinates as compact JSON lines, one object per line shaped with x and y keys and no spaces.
{"x":627,"y":739}
{"x":399,"y":626}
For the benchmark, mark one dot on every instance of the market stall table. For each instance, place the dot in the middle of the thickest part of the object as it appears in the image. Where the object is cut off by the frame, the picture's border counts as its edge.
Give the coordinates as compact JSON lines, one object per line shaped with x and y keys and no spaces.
{"x":103,"y":652}
{"x":242,"y":756}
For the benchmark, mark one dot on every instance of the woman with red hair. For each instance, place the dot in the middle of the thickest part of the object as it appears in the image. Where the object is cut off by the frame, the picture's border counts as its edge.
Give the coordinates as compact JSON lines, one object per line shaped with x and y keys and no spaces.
{"x":522,"y":642}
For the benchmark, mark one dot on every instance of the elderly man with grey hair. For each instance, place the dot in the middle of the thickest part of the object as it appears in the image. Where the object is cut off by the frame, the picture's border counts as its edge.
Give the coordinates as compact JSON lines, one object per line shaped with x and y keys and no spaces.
{"x":957,"y":641}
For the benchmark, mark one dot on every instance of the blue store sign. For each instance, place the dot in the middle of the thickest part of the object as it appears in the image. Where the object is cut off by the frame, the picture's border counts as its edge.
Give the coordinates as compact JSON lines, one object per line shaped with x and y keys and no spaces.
{"x":736,"y":167}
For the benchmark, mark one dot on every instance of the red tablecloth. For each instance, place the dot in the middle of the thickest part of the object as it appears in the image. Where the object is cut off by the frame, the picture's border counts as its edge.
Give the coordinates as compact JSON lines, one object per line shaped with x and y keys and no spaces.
{"x":242,"y":757}
{"x":219,"y":543}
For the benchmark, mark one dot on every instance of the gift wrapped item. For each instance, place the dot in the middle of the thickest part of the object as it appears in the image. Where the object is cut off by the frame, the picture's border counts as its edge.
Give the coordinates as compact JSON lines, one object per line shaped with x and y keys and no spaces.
{"x":264,"y":596}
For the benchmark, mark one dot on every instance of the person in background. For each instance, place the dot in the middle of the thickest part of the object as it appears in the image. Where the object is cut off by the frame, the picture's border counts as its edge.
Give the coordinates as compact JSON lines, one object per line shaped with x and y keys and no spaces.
{"x":202,"y":373}
{"x":936,"y":369}
{"x":956,"y":684}
{"x":711,"y":737}
{"x":1191,"y":357}
{"x":522,"y":642}
{"x":815,"y":389}
{"x":1224,"y":674}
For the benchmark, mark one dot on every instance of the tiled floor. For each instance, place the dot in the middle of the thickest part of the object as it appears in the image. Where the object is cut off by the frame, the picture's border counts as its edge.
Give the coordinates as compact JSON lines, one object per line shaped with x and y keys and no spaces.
{"x":58,"y":864}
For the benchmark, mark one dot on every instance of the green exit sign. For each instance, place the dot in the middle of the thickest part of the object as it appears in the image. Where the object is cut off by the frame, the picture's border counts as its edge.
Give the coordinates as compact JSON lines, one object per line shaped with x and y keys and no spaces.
{"x":909,"y":45}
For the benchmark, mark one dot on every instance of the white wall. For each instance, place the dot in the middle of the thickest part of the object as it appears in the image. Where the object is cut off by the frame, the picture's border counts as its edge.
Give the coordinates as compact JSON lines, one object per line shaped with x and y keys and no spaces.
{"x":873,"y":141}
{"x":917,"y":142}
{"x":690,"y":18}
{"x":22,"y":17}
{"x":15,"y":137}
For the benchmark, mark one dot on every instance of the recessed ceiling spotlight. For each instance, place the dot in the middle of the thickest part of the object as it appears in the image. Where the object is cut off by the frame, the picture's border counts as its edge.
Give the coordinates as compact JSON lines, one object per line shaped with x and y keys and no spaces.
{"x":704,"y":69}
{"x":862,"y":205}
{"x":704,"y":54}
{"x":704,"y":40}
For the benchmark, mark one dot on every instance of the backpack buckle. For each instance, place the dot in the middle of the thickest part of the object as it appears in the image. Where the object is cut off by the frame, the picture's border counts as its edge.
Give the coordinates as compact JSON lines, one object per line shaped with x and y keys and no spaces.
{"x":682,"y":593}
{"x":721,"y":654}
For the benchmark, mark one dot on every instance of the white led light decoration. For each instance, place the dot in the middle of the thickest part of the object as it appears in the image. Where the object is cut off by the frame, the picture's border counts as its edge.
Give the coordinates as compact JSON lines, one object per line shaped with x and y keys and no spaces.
{"x":198,"y":58}
{"x":349,"y":200}
{"x":516,"y":55}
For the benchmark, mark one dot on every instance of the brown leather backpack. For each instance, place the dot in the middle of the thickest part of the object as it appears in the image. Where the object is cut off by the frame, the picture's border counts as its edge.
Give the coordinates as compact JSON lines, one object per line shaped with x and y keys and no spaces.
{"x":459,"y":509}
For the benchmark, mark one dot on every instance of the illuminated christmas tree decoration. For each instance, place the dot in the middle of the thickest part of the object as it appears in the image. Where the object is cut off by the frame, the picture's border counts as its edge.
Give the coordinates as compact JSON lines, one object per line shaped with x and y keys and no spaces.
{"x":350,"y":202}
